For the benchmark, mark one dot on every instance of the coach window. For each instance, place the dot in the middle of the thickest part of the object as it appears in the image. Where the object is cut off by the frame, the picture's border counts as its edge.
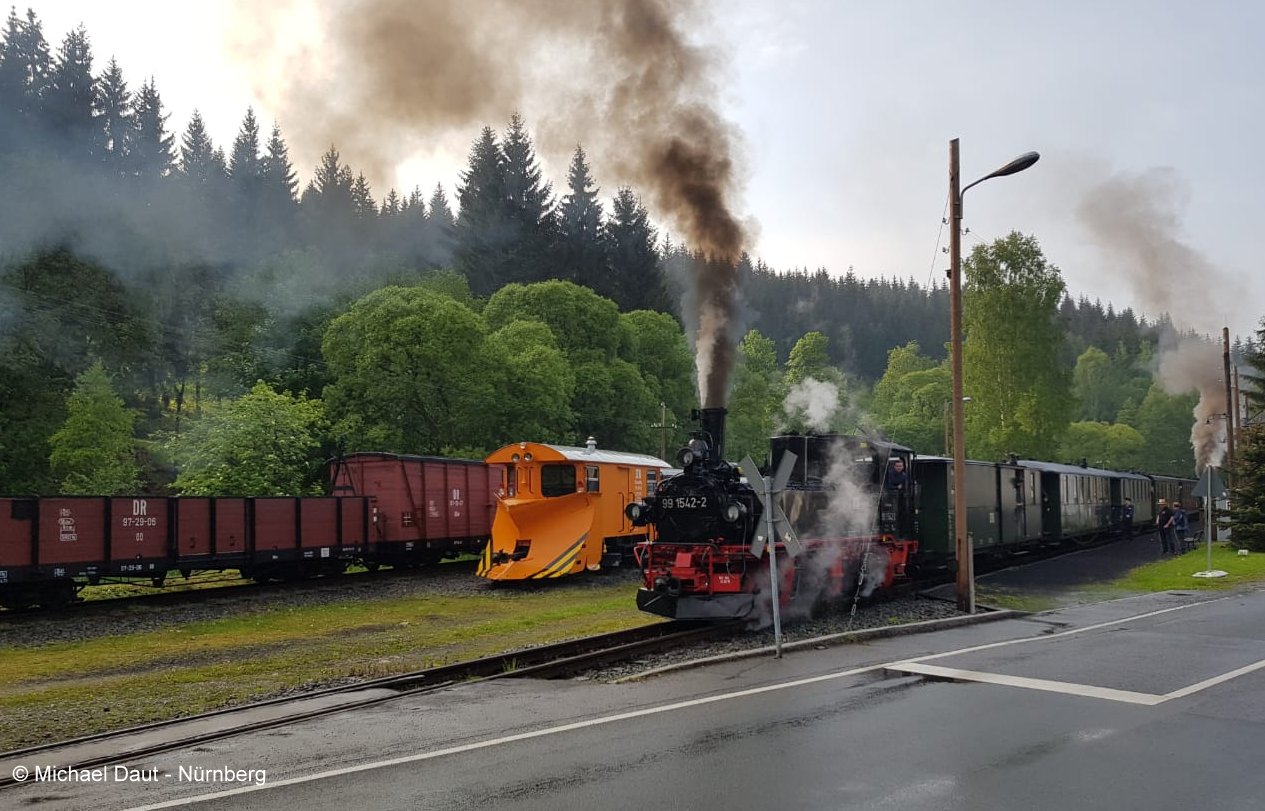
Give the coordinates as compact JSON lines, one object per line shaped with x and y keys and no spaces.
{"x":592,"y":479}
{"x":557,"y":480}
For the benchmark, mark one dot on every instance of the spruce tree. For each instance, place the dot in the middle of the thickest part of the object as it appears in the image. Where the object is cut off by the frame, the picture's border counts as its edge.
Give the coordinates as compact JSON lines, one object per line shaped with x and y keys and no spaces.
{"x":362,"y":202}
{"x":636,"y":278}
{"x":152,"y":154}
{"x":25,"y":67}
{"x":115,"y":119}
{"x":71,"y":95}
{"x":245,"y":166}
{"x":245,"y":192}
{"x":480,"y":234}
{"x":438,"y":228}
{"x":440,"y":212}
{"x":1247,"y":500}
{"x":329,"y":208}
{"x":531,"y":209}
{"x":279,"y":184}
{"x":198,"y":158}
{"x":582,"y":254}
{"x":391,"y":204}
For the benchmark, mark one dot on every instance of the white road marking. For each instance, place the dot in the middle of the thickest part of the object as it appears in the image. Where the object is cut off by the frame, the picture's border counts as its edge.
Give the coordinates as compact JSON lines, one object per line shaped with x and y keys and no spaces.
{"x":1067,"y":688}
{"x":1215,"y":680}
{"x":680,"y":705}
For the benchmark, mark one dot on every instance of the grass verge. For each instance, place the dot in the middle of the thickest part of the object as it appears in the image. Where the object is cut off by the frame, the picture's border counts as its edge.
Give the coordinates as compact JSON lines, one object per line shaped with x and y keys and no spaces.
{"x":1178,"y":572}
{"x":67,"y":689}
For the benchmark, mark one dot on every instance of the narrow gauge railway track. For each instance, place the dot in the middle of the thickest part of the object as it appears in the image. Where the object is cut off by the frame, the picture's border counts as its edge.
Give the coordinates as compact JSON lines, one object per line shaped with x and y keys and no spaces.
{"x":549,"y":661}
{"x":228,"y":589}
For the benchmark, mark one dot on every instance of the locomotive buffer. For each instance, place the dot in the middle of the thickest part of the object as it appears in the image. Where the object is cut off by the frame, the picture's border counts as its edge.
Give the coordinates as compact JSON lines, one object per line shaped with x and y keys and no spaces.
{"x":776,"y":526}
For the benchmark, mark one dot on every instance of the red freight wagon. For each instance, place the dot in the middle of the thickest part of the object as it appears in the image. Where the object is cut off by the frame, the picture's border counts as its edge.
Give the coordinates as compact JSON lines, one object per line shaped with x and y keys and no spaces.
{"x":47,"y":545}
{"x":423,"y":508}
{"x":51,"y":547}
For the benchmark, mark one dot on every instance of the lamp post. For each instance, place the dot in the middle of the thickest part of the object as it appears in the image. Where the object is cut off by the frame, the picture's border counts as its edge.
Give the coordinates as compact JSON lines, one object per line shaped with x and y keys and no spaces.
{"x":962,"y":544}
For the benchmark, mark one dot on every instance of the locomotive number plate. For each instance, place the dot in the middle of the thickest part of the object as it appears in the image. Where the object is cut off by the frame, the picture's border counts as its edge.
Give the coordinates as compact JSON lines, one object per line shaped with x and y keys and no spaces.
{"x":685,"y":503}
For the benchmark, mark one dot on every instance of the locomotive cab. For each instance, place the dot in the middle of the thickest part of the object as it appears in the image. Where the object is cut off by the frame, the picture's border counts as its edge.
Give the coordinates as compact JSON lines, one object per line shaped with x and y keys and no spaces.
{"x":873,"y":469}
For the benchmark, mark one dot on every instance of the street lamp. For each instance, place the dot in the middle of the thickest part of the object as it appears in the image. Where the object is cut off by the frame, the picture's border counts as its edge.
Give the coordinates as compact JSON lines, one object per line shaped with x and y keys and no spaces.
{"x":962,"y":545}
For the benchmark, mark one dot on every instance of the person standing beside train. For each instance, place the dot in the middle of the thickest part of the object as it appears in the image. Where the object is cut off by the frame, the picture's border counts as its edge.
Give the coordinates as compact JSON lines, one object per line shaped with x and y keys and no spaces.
{"x":1180,"y":527}
{"x":1127,"y":514}
{"x":1164,"y":523}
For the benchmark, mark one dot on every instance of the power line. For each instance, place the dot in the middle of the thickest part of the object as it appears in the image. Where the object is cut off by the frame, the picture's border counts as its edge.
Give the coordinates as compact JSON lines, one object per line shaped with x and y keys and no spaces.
{"x":935,"y":251}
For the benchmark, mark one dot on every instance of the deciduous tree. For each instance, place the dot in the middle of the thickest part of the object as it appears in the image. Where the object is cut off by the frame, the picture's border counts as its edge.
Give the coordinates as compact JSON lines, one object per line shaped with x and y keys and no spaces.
{"x":1020,"y":390}
{"x":261,"y":444}
{"x":410,"y":372}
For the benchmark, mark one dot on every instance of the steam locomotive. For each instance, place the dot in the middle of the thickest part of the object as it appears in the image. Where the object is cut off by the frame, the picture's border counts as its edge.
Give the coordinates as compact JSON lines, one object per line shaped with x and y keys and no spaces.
{"x":860,"y":526}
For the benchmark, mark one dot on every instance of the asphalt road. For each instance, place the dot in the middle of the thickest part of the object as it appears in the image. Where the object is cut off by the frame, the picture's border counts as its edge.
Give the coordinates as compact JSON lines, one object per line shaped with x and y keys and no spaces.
{"x":1151,"y":702}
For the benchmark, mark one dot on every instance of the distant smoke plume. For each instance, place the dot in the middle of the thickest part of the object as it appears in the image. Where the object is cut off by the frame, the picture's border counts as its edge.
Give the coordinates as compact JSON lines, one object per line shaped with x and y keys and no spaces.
{"x":1195,"y":365}
{"x":813,"y":404}
{"x":391,"y":77}
{"x":1136,"y":220}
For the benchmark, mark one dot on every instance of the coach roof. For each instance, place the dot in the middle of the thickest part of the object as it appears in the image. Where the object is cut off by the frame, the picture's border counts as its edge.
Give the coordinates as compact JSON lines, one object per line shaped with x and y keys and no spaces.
{"x":1054,"y":467}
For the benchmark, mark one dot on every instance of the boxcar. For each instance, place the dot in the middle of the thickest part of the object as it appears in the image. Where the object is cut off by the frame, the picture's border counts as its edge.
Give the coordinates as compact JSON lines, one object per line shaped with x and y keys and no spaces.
{"x":422,"y":508}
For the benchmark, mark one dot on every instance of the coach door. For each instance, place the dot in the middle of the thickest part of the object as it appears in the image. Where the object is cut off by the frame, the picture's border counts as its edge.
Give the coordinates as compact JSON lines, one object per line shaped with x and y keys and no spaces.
{"x":1051,"y":505}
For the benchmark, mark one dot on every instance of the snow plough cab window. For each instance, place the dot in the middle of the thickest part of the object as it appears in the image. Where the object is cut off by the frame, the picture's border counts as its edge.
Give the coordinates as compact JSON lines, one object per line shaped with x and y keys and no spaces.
{"x":557,"y":480}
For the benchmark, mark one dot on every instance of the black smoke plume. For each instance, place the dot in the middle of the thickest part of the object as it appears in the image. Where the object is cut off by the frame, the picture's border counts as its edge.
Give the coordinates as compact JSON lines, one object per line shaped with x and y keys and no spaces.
{"x":391,"y":77}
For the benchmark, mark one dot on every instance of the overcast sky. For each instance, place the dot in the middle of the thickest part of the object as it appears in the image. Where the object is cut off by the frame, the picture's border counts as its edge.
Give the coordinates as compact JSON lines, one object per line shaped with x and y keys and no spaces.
{"x":846,"y":109}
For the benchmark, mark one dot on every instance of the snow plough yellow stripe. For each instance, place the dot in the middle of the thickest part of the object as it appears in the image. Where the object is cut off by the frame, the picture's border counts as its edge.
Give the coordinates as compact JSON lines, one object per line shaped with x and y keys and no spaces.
{"x":563,"y":563}
{"x":485,"y":563}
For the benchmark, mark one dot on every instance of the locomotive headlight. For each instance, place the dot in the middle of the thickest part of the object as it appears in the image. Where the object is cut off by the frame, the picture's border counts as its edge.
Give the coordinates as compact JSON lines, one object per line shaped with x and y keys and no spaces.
{"x":636,"y":512}
{"x":734,"y":511}
{"x":685,"y":456}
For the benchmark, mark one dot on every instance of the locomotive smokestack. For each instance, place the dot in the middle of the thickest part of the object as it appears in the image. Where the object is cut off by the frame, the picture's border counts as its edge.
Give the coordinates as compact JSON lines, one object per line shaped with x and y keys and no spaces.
{"x":713,"y":424}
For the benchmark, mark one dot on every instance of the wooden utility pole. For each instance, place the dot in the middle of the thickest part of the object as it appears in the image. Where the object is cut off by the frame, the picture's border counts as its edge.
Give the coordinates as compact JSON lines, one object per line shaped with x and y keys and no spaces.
{"x":1237,"y":396}
{"x":1229,"y":408}
{"x":962,"y":542}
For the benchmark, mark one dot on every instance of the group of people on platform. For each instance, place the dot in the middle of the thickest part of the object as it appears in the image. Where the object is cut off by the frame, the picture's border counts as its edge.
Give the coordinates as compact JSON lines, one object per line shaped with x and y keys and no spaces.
{"x":1170,"y":522}
{"x":1172,"y":525}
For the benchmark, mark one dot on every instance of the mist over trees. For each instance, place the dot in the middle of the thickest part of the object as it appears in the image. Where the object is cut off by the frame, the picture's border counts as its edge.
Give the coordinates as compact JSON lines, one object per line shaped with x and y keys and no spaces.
{"x":197,"y":283}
